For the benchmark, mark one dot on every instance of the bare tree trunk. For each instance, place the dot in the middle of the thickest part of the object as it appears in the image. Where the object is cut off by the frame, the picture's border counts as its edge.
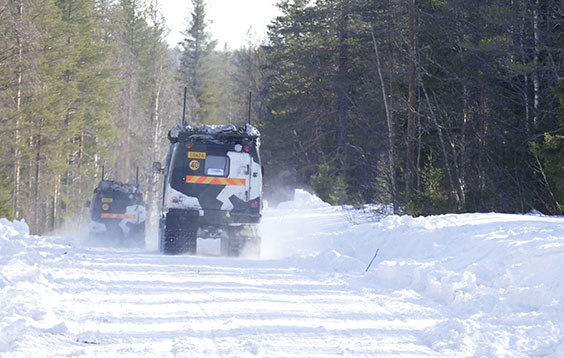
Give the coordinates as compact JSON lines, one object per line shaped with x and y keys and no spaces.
{"x":482,"y":148}
{"x":30,"y":142}
{"x":460,"y":177}
{"x":127,"y":140}
{"x":67,"y":184}
{"x":411,"y":112}
{"x":81,"y":208}
{"x":391,"y":129}
{"x":557,"y":207}
{"x":37,"y":179}
{"x":526,"y":75}
{"x":342,"y":102}
{"x":131,"y":84}
{"x":443,"y":145}
{"x":17,"y":151}
{"x":97,"y":161}
{"x":152,"y":199}
{"x":536,"y":81}
{"x":55,"y":199}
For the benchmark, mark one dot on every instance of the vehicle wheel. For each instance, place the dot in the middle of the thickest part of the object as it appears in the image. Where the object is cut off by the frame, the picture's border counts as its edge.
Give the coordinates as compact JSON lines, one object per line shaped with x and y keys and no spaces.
{"x":139,"y":241}
{"x":230,"y":246}
{"x":252,"y":246}
{"x":242,"y":239}
{"x":191,"y":241}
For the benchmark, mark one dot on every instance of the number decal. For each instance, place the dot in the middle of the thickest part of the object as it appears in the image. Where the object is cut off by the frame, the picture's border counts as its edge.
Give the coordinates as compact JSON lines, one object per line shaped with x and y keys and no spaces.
{"x":194,"y":165}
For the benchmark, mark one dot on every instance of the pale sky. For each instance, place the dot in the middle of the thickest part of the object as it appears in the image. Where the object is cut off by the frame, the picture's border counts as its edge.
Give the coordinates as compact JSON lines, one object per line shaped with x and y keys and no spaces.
{"x":231,"y":19}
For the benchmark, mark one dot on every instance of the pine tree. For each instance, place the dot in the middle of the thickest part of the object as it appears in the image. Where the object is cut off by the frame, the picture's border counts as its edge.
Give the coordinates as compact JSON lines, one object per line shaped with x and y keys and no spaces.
{"x":196,"y":71}
{"x":302,"y":127}
{"x":11,"y":76}
{"x":130,"y":34}
{"x":250,"y":76}
{"x":88,"y":97}
{"x":34,"y":37}
{"x":323,"y":95}
{"x":54,"y":103}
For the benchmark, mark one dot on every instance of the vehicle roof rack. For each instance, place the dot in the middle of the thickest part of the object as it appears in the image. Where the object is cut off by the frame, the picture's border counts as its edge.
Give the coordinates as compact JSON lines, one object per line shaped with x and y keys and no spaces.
{"x":118,"y":186}
{"x":215,"y":133}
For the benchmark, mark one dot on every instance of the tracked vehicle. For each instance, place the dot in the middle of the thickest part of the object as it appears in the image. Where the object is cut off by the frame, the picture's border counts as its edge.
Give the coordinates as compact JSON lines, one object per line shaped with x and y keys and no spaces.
{"x":212,"y":189}
{"x":118,"y":214}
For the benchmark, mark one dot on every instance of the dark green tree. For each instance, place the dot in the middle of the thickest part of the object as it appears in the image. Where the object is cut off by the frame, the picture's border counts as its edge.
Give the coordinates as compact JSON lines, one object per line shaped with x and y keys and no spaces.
{"x":196,"y":65}
{"x":457,"y":90}
{"x":303,"y":54}
{"x":87,"y":96}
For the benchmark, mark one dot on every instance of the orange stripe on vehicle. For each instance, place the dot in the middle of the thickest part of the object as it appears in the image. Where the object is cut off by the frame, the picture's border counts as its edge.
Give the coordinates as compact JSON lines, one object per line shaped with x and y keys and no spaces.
{"x":236,"y":181}
{"x":193,"y":179}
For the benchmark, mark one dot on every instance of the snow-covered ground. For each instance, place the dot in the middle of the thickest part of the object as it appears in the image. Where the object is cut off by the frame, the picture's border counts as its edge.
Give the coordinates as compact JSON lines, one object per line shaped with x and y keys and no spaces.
{"x":474,"y":285}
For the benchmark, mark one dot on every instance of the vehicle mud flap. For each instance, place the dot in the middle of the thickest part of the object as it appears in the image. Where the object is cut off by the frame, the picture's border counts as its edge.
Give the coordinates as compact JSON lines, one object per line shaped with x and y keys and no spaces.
{"x":180,"y":241}
{"x":242,"y":240}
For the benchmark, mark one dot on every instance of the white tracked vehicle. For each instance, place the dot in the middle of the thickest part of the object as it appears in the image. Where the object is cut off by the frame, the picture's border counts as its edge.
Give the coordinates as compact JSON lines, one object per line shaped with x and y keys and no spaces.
{"x":117,"y":213}
{"x":212,"y":189}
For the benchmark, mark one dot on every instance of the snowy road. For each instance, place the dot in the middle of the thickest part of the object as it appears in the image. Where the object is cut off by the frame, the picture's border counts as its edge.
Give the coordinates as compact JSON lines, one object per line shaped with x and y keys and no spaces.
{"x":143,"y":304}
{"x":472,"y":285}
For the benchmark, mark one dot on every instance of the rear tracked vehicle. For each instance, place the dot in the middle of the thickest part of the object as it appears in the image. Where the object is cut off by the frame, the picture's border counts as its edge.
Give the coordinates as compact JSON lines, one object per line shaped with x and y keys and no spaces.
{"x":118,"y":214}
{"x":212,"y":189}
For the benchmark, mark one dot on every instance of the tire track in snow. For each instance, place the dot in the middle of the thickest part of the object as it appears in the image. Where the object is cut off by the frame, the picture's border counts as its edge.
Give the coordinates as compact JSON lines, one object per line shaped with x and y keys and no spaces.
{"x":118,"y":302}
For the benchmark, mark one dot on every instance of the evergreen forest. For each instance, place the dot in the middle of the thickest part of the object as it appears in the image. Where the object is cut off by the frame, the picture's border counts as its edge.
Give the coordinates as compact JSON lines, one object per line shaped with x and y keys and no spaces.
{"x":427,"y":106}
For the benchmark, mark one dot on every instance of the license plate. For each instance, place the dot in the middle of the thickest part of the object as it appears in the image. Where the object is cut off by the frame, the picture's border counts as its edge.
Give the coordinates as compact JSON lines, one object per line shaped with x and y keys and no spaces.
{"x":197,"y":155}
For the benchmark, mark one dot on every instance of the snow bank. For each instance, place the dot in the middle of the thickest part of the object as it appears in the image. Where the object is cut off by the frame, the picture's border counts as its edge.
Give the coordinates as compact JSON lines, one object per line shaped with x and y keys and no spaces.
{"x":499,"y":278}
{"x":12,"y":239}
{"x":25,"y":289}
{"x":454,"y":258}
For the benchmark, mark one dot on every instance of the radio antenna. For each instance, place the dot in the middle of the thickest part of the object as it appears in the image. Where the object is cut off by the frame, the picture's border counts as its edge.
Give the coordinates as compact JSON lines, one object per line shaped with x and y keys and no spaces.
{"x":184,"y":108}
{"x":250,"y":100}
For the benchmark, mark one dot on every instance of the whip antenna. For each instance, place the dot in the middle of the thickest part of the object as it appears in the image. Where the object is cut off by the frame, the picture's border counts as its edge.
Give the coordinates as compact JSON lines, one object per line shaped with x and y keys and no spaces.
{"x":184,"y":108}
{"x":250,"y":100}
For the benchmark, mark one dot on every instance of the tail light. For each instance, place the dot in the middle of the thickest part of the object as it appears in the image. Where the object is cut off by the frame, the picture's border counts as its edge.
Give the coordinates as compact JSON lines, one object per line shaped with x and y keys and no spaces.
{"x":247,"y":148}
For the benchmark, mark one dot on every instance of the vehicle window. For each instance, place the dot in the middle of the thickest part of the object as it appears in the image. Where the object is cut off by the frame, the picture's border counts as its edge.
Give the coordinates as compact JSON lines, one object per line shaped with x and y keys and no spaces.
{"x":216,"y":165}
